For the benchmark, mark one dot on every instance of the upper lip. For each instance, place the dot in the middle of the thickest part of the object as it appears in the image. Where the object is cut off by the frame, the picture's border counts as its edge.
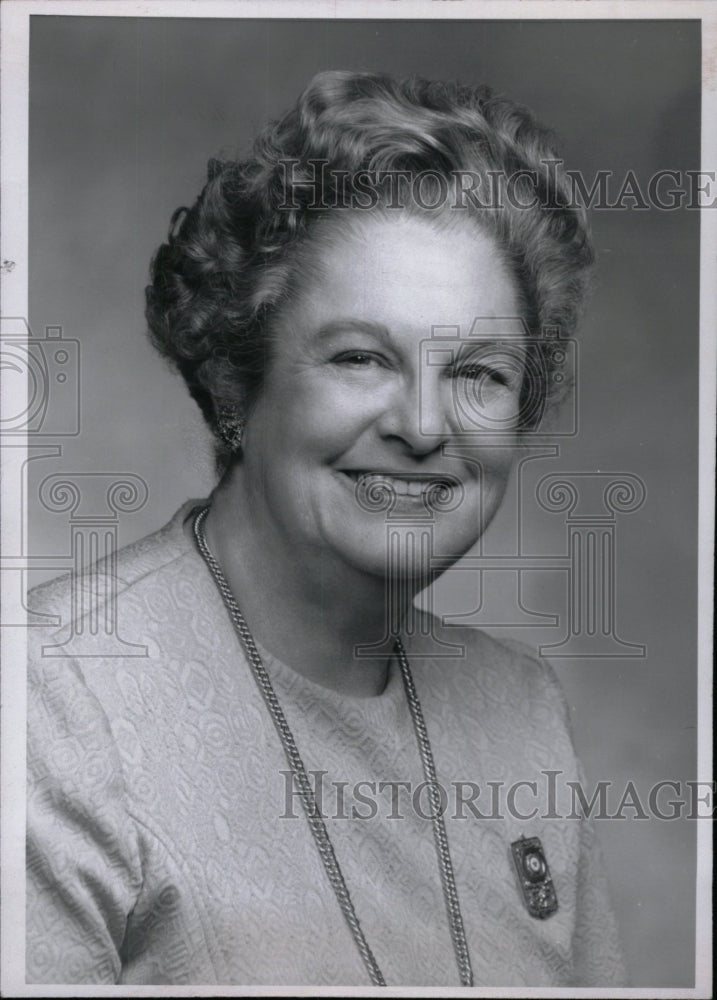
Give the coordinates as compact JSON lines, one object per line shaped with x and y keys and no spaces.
{"x":395,"y":474}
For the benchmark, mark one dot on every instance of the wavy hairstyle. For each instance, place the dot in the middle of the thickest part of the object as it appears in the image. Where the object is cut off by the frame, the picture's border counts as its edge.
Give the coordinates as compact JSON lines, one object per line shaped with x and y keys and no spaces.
{"x":230,"y":260}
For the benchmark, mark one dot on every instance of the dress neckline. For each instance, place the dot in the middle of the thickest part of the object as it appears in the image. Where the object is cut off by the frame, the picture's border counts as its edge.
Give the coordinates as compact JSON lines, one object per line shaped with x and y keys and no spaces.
{"x":283,"y":674}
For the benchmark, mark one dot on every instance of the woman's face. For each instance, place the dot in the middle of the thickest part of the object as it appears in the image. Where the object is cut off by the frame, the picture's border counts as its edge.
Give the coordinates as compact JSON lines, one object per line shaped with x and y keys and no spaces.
{"x":389,"y":377}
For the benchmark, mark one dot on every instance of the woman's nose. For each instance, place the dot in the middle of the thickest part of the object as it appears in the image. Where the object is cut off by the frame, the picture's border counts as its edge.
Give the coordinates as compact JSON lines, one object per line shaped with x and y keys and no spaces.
{"x":418,"y":415}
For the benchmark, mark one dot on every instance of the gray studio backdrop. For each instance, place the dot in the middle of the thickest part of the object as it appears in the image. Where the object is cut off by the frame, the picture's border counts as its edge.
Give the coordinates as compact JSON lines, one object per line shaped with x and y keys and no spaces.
{"x":124,"y":114}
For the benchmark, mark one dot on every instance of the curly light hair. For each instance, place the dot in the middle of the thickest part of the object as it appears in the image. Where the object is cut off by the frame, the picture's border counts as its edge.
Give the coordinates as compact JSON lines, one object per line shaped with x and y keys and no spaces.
{"x":230,"y":260}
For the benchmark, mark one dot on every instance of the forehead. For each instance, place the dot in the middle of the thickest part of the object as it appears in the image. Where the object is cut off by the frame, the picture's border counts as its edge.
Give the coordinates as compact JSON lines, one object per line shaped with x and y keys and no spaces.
{"x":408,"y":273}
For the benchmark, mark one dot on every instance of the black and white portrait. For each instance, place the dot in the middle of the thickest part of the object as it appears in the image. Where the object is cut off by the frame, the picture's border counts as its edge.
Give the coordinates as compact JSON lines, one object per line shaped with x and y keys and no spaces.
{"x":356,"y":367}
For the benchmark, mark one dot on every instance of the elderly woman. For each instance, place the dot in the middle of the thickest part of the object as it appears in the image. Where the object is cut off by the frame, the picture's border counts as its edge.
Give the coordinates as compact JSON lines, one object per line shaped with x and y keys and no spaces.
{"x":299,"y":782}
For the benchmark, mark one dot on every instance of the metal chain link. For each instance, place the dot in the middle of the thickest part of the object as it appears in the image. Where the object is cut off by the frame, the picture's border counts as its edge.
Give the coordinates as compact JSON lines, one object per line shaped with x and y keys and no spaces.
{"x":445,"y":865}
{"x":313,"y":814}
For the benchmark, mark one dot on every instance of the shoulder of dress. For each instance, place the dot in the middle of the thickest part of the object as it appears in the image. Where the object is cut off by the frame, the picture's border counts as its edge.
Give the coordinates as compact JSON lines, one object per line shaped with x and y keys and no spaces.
{"x":504,"y":664}
{"x":471,"y":643}
{"x":118,"y":572}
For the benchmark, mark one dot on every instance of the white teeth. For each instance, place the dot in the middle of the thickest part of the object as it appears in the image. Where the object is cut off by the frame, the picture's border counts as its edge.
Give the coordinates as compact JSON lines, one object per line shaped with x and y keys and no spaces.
{"x":401,"y":487}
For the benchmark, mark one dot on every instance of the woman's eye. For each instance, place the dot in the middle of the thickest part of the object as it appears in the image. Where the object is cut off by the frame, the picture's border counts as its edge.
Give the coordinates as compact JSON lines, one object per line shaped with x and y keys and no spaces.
{"x":357,"y":359}
{"x":475,"y":372}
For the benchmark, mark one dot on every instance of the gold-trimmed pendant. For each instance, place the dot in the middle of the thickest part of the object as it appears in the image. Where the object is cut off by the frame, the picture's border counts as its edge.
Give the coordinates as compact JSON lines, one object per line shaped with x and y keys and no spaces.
{"x":534,"y":877}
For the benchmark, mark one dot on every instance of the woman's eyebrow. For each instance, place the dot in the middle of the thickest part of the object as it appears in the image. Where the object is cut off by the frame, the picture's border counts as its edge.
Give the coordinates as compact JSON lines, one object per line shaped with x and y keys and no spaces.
{"x":350,"y":323}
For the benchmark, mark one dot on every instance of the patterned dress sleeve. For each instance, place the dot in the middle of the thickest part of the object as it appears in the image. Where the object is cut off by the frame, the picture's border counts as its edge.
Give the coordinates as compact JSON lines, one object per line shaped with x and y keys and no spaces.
{"x":597,"y":952}
{"x":83,"y":867}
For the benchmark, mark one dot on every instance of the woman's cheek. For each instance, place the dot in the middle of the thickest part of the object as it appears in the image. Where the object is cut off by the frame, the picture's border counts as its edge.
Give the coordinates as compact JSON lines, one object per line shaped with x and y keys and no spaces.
{"x":346,"y":409}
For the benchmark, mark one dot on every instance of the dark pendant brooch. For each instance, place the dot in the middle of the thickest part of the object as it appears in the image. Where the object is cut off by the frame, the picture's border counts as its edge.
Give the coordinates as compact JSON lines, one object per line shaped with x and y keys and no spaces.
{"x":534,"y":877}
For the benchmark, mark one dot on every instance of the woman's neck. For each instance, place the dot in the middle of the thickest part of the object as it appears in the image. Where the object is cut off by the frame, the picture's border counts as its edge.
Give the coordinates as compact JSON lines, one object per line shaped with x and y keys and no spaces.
{"x":306,"y":607}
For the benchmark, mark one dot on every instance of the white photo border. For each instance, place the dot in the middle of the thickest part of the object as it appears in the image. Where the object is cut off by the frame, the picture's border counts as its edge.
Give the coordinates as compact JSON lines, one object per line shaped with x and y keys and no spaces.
{"x":15,"y":19}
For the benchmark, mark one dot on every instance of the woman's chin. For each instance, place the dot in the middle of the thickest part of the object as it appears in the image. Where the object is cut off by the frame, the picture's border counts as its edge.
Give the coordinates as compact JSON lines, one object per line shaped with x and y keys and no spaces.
{"x":413,"y":553}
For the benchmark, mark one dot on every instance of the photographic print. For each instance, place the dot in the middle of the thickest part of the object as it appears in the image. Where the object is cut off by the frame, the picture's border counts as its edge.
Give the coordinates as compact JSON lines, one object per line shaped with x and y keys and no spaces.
{"x":358,"y":406}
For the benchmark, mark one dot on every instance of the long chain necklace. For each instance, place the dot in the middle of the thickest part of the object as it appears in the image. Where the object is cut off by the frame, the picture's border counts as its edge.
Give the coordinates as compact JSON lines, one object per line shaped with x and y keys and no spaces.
{"x":313,"y":814}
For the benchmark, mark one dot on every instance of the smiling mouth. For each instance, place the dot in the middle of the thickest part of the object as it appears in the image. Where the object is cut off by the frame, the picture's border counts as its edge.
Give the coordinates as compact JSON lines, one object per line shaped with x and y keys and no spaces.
{"x":414,"y":485}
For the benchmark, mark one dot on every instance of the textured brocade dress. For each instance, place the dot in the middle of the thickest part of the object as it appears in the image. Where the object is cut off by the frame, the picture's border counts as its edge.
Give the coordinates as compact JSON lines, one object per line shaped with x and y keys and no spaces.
{"x":167,"y":844}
